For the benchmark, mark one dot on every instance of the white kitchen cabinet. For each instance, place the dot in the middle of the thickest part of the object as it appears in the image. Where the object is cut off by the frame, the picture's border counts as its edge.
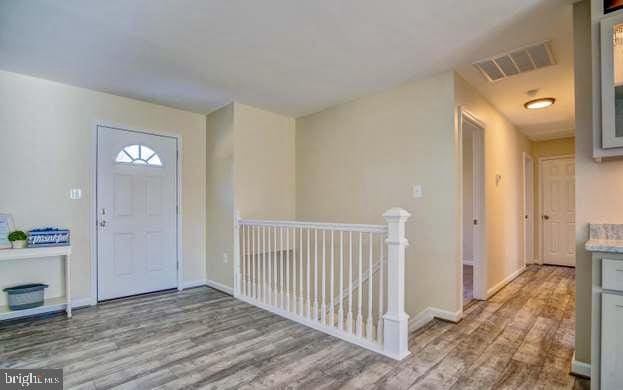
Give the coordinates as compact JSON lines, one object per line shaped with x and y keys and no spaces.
{"x":611,"y":341}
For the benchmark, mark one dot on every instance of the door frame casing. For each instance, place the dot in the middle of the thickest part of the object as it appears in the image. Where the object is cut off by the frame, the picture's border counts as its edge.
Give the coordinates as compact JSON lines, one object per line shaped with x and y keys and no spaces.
{"x":528,"y":258}
{"x":480,"y":239}
{"x":540,"y":260}
{"x":93,"y":198}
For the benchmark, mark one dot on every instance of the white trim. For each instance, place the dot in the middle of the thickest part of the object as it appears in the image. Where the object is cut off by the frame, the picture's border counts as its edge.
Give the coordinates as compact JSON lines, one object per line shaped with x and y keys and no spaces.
{"x":503,"y":283}
{"x":580,"y":368}
{"x":220,"y":287}
{"x":333,"y":331}
{"x":317,"y":225}
{"x":538,"y":217}
{"x":480,"y":236}
{"x":93,"y":200}
{"x":192,"y":284}
{"x":468,"y":262}
{"x":527,"y":257}
{"x":430,"y":313}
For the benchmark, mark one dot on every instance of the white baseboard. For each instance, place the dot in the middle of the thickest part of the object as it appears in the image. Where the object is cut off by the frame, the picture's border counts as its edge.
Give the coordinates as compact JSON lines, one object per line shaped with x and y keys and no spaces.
{"x":220,"y":287}
{"x":580,"y":368}
{"x":468,"y":262}
{"x":507,"y":280}
{"x":84,"y":302}
{"x":428,"y":314}
{"x":193,"y":283}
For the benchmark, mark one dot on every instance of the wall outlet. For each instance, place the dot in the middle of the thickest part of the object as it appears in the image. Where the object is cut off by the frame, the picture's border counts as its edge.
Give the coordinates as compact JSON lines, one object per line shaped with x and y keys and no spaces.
{"x":418,"y":191}
{"x":225,"y":258}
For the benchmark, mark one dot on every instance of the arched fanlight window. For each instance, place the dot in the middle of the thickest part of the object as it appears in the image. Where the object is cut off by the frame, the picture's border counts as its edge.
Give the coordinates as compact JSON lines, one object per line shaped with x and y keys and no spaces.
{"x":140,"y":155}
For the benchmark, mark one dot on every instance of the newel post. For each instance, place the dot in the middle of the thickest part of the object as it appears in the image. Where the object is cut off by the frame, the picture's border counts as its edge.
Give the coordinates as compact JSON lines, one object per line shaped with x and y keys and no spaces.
{"x":396,"y":320}
{"x":236,"y":253}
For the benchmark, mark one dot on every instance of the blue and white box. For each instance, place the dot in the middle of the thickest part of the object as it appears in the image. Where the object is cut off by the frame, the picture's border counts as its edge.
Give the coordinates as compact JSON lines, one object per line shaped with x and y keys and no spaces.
{"x":48,"y":237}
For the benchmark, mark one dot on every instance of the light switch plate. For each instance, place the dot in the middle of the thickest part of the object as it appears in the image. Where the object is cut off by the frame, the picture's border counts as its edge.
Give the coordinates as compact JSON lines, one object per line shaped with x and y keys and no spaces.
{"x":75,"y":193}
{"x":417,"y":191}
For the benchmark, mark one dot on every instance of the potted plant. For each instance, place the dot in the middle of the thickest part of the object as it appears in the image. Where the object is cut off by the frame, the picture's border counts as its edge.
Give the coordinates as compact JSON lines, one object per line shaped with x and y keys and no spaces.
{"x":18,"y":239}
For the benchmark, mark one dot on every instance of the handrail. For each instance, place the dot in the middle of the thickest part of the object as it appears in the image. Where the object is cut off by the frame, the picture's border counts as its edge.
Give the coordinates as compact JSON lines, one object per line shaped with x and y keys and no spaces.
{"x":364,"y":228}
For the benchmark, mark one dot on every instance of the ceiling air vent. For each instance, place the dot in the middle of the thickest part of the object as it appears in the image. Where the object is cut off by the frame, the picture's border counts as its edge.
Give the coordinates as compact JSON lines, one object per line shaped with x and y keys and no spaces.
{"x":516,"y":61}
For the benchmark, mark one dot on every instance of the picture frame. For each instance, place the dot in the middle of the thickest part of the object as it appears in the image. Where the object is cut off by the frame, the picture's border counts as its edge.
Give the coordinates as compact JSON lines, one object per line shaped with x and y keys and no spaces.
{"x":6,"y":226}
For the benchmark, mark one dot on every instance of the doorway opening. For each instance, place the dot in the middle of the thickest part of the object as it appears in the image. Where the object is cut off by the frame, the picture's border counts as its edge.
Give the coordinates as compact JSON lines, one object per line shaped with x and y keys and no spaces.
{"x":472,"y":162}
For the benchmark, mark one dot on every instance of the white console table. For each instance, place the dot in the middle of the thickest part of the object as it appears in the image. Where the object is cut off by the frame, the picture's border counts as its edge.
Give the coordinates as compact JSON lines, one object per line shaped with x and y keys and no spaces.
{"x":49,"y":305}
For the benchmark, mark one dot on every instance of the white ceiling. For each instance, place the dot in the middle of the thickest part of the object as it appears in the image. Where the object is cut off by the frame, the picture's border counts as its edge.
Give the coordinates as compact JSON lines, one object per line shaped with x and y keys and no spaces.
{"x":553,"y":21}
{"x":291,"y":57}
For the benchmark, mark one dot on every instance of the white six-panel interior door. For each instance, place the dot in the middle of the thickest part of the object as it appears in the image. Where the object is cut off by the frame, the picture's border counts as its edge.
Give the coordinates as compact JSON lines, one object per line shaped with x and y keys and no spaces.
{"x":136,"y":213}
{"x":558,"y":210}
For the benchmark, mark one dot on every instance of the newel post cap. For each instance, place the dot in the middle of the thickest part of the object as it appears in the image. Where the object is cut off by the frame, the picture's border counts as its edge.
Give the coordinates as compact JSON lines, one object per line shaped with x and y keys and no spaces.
{"x":396,"y":213}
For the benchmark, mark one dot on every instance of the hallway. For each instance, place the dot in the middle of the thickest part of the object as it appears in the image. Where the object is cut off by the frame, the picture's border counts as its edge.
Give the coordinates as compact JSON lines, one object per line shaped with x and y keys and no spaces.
{"x":522,"y":338}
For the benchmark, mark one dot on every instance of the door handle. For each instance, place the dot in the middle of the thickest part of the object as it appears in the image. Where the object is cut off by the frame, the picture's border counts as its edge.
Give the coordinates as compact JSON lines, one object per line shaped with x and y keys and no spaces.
{"x":545,"y":217}
{"x":102,"y":223}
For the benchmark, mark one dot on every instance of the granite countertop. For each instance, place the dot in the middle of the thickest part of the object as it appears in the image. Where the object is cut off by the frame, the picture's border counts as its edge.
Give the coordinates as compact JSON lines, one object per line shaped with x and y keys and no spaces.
{"x":605,"y":237}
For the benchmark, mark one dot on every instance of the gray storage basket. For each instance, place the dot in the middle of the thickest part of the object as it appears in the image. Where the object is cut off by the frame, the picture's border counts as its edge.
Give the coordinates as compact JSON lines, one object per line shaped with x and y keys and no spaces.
{"x":25,"y":296}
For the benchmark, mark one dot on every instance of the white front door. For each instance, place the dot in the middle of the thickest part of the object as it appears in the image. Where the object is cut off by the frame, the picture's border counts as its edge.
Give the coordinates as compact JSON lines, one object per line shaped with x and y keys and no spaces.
{"x":558,"y":211}
{"x":136,"y":213}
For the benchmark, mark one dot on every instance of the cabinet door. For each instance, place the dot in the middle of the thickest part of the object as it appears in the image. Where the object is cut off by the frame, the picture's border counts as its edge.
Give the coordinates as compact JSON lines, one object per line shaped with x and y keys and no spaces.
{"x":611,"y":341}
{"x":612,"y":81}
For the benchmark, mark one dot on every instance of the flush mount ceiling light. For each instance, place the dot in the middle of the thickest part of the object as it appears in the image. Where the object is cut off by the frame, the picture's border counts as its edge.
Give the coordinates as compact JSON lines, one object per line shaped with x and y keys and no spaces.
{"x":537,"y":104}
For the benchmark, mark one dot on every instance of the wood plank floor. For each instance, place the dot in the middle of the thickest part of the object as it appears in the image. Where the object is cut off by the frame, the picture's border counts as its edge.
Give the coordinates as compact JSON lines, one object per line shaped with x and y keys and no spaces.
{"x":521,"y":338}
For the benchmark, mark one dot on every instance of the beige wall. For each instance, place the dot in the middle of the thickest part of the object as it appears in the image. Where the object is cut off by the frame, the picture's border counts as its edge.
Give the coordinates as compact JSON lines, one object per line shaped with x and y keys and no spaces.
{"x":220,"y":195}
{"x":549,"y":148}
{"x":264,"y":163}
{"x":46,"y":148}
{"x":504,"y":148}
{"x":358,"y":159}
{"x":251,"y":169}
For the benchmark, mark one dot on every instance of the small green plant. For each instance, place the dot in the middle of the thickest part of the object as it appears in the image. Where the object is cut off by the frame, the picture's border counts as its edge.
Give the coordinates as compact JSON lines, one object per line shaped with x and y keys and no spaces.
{"x":17,"y":235}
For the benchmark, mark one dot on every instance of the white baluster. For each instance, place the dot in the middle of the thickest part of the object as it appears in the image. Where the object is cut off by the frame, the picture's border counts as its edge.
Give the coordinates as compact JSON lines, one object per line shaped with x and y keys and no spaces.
{"x":301,"y":300}
{"x":379,"y":327}
{"x":323,"y":306}
{"x":308,"y":274}
{"x":287,"y":268}
{"x":264,"y":287}
{"x":269,"y":287}
{"x":253,"y":254}
{"x":359,"y":289}
{"x":294,"y":297}
{"x":242,"y":259}
{"x":249,"y":251}
{"x":315,"y":274}
{"x":275,"y":263}
{"x":340,"y":312}
{"x":370,"y":277}
{"x":349,"y":317}
{"x":331,"y":304}
{"x":281,"y":266}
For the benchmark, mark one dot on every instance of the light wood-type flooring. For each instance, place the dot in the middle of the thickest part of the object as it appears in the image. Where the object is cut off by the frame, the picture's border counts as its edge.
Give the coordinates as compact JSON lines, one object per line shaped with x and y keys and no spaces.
{"x":522,"y":337}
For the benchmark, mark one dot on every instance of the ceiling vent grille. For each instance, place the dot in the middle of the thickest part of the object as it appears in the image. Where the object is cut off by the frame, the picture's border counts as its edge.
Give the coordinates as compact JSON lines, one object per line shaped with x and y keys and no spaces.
{"x":518,"y":61}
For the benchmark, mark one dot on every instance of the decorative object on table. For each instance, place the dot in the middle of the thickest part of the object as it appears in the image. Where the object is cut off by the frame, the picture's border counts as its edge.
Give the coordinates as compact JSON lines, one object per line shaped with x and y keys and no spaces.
{"x":6,"y":227}
{"x":48,"y":237}
{"x":25,"y":296}
{"x":18,"y":239}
